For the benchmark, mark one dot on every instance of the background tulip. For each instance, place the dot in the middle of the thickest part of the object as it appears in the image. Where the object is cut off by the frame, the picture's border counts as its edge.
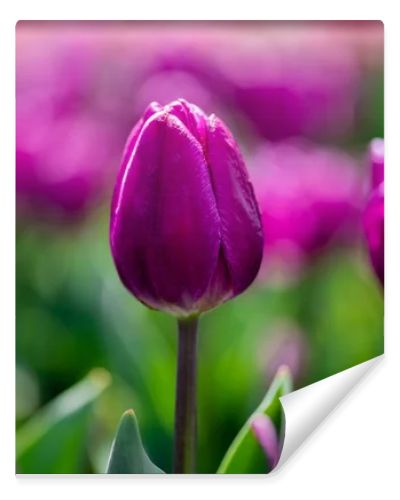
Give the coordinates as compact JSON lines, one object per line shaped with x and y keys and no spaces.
{"x":69,"y":132}
{"x":376,"y":158}
{"x":62,"y":164}
{"x":374,"y":211}
{"x":308,"y":196}
{"x":266,"y":435}
{"x":185,"y":228}
{"x":283,"y":90}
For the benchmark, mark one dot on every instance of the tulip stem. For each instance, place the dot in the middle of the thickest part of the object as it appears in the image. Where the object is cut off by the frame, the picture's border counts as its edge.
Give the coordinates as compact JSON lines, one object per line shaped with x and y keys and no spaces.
{"x":185,"y":403}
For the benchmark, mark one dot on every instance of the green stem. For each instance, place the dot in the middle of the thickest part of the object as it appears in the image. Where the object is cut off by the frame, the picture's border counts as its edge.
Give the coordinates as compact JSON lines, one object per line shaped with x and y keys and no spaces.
{"x":185,"y":404}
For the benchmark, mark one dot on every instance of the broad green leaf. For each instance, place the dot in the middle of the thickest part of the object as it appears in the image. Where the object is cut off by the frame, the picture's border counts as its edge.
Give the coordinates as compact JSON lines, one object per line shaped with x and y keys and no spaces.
{"x":127,"y":454}
{"x":245,"y":455}
{"x":53,"y":440}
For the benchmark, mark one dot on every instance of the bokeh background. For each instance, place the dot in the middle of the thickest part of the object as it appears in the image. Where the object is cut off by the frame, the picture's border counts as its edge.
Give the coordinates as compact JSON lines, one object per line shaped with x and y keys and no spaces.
{"x":303,"y":99}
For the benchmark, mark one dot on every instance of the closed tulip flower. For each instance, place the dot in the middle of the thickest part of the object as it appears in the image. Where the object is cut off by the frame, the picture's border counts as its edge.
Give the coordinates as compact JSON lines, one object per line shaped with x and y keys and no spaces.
{"x":185,"y":233}
{"x":185,"y":228}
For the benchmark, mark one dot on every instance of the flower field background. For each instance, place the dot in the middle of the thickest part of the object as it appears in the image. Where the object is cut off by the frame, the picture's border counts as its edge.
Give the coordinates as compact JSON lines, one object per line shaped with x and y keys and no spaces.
{"x":304,"y":101}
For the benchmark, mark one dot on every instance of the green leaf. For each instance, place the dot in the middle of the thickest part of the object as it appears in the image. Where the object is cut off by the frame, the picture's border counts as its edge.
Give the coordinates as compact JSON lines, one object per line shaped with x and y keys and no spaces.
{"x":127,"y":454}
{"x":53,"y":440}
{"x":245,"y":455}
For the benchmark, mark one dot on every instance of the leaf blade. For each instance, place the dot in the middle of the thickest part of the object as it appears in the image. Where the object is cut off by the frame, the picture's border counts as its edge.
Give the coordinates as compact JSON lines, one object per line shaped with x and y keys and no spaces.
{"x":52,"y":441}
{"x":128,"y":455}
{"x":245,"y":455}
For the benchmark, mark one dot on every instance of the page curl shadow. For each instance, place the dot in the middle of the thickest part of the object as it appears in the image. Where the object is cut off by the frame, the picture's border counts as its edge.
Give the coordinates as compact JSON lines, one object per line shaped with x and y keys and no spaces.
{"x":305,"y":409}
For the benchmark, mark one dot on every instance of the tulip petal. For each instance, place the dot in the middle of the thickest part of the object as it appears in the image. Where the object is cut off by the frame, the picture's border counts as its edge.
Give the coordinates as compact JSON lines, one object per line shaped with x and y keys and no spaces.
{"x":130,"y":144}
{"x":165,"y":231}
{"x":241,"y":230}
{"x":151,"y":109}
{"x":192,"y":117}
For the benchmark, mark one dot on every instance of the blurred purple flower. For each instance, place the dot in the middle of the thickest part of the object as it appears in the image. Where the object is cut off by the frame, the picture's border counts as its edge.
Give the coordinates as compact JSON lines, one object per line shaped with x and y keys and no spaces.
{"x":185,"y":228}
{"x":374,"y":211}
{"x":376,"y":158}
{"x":65,"y":147}
{"x":283,"y":91}
{"x":289,"y":94}
{"x":61,"y":164}
{"x":308,"y":196}
{"x":265,"y":433}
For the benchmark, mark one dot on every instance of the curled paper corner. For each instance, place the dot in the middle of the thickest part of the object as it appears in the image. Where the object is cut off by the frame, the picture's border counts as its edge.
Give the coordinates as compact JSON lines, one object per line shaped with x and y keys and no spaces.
{"x":305,"y":409}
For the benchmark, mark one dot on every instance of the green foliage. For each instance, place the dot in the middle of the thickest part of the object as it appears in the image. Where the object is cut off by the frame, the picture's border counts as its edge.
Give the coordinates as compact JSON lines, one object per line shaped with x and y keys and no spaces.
{"x":53,"y":440}
{"x":127,"y":453}
{"x":245,"y":455}
{"x":78,"y":316}
{"x":343,"y":313}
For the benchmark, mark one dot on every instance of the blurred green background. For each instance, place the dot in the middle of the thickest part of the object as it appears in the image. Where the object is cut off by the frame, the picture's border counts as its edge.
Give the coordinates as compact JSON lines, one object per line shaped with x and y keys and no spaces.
{"x":69,"y":323}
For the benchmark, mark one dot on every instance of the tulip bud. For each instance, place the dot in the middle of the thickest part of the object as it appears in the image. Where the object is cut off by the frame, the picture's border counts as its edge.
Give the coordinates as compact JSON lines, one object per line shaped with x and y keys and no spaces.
{"x":265,"y":433}
{"x":185,"y":228}
{"x":376,"y":154}
{"x":374,"y":211}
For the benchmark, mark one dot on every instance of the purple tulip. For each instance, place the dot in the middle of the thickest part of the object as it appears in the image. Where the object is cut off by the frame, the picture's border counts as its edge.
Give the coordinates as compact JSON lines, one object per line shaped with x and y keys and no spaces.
{"x":266,"y":435}
{"x":374,"y":211}
{"x":308,"y":196}
{"x":185,"y":228}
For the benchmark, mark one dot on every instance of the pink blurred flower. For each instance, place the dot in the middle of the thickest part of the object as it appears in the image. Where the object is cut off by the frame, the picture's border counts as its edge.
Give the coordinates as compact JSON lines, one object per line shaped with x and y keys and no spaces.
{"x":61,"y":164}
{"x":374,"y":211}
{"x":308,"y":196}
{"x":283,"y":88}
{"x":265,"y":433}
{"x":66,"y":146}
{"x":377,"y":162}
{"x":298,"y":92}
